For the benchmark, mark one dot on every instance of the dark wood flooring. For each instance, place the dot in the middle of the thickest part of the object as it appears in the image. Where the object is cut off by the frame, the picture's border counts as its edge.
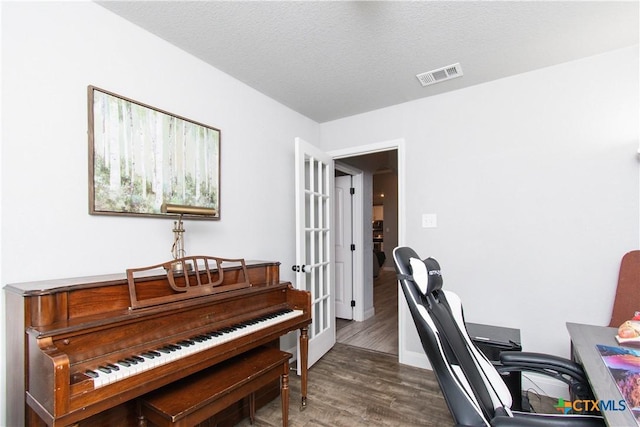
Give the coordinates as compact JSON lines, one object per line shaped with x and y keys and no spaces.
{"x":352,"y":386}
{"x":359,"y":382}
{"x":379,"y":332}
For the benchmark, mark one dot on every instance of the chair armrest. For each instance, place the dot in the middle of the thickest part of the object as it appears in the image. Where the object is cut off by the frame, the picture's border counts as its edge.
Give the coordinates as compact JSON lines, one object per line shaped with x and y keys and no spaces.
{"x":543,"y":361}
{"x":556,"y":367}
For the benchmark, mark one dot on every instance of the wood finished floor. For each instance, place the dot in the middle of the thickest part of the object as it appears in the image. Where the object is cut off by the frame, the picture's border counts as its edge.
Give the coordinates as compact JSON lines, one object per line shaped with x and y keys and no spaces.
{"x":359,"y":382}
{"x":353,"y":386}
{"x":379,"y":332}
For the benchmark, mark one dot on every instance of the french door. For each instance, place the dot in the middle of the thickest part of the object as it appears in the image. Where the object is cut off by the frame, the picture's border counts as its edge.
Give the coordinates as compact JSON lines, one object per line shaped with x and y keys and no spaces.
{"x":314,"y":243}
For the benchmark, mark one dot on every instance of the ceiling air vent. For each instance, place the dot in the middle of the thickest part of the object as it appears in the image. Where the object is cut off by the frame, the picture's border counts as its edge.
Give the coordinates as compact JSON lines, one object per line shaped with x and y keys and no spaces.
{"x":441,"y":74}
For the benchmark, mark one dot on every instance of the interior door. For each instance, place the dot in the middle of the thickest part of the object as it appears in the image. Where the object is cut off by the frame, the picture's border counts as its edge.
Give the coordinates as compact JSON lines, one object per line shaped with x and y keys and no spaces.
{"x":314,"y":244}
{"x":343,"y":254}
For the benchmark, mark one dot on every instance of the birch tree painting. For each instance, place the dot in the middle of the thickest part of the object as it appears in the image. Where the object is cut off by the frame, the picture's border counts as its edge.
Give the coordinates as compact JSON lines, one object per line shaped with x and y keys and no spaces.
{"x":143,"y":157}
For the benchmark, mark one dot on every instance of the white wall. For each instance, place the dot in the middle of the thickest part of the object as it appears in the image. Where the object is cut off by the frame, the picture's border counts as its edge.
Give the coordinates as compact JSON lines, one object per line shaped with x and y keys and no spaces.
{"x":51,"y":51}
{"x":534,"y":179}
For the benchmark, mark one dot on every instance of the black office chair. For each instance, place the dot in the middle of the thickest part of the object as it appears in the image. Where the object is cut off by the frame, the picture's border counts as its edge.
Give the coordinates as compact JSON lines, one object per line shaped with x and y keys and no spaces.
{"x":472,"y":387}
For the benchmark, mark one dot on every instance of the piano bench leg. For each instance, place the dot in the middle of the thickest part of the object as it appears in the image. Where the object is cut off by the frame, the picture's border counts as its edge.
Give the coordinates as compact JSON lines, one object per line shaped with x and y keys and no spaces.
{"x":252,"y":408}
{"x":142,"y":421}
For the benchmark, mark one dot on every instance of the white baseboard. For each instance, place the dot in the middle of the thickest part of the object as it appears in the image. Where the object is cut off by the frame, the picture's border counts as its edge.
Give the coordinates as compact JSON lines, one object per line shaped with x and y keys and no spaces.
{"x":415,"y":359}
{"x":293,"y":351}
{"x":369,"y":313}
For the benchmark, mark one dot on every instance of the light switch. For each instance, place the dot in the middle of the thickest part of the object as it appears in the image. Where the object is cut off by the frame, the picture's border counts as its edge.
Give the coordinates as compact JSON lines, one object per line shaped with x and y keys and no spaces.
{"x":429,"y":220}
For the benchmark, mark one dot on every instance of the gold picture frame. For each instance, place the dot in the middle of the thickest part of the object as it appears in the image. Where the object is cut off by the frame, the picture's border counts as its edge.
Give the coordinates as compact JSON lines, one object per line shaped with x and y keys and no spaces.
{"x":141,"y":157}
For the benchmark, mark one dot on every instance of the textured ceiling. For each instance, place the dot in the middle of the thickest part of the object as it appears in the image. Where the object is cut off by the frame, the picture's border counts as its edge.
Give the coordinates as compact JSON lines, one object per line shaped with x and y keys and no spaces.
{"x":329,"y":60}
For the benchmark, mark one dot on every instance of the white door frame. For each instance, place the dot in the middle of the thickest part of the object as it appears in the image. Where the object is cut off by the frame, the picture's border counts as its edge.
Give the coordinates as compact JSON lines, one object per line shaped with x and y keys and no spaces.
{"x":358,"y":289}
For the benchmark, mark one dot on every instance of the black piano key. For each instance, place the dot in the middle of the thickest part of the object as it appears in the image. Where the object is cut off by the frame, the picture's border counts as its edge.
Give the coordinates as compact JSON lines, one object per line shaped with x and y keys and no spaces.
{"x":92,"y":374}
{"x":110,"y":368}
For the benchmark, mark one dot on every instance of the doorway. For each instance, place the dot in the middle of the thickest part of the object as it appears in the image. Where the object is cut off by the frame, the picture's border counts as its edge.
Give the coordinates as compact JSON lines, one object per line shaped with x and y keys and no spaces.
{"x":377,"y":301}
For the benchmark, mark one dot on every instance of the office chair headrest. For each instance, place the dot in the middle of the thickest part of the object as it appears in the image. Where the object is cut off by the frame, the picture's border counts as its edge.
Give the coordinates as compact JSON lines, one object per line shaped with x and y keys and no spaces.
{"x":426,"y":274}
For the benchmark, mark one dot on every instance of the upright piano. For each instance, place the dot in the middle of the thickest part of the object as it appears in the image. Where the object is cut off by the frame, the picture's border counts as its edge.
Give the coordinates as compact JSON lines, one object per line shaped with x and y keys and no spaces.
{"x":82,"y":350}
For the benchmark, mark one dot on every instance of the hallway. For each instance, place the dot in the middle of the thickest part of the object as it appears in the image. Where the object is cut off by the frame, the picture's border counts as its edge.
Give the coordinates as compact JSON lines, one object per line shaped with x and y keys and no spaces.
{"x":380,"y":332}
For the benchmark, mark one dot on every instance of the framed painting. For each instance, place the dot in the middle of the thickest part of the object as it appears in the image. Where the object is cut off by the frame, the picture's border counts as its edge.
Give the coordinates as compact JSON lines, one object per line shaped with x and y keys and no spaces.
{"x":141,"y":157}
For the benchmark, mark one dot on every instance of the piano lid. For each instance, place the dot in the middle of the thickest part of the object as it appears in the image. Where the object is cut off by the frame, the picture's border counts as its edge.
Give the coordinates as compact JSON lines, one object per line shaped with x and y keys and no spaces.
{"x":52,"y":286}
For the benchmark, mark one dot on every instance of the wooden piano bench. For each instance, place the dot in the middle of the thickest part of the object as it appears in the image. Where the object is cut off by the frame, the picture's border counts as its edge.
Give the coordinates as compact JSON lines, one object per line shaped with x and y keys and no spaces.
{"x":194,"y":399}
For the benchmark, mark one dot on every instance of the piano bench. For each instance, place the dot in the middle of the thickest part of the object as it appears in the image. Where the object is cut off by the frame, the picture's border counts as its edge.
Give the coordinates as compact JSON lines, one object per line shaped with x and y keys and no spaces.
{"x":194,"y":399}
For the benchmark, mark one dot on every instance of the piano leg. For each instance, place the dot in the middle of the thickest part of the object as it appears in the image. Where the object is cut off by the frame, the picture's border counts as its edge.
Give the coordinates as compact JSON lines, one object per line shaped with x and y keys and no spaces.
{"x":304,"y":356}
{"x":252,"y":407}
{"x":284,"y":394}
{"x":142,"y":421}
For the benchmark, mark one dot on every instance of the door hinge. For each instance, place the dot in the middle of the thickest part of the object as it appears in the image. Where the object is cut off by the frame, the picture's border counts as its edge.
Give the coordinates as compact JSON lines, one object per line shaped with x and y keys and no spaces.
{"x":353,"y":303}
{"x":352,"y":191}
{"x":353,"y":247}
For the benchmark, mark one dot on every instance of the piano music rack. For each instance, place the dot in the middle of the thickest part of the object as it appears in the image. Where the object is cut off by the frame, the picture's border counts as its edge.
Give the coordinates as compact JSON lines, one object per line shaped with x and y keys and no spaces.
{"x":186,"y":282}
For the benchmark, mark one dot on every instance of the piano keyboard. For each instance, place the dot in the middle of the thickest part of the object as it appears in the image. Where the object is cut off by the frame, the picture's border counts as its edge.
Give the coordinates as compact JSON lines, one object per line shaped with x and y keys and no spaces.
{"x":136,"y":364}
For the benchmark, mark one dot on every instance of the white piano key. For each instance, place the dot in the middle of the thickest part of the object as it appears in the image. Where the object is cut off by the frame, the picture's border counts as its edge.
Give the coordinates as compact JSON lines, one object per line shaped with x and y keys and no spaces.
{"x":105,"y":378}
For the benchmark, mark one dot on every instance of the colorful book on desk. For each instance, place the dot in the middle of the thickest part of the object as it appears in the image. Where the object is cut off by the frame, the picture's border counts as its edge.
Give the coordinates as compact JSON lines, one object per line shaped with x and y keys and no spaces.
{"x":624,"y":366}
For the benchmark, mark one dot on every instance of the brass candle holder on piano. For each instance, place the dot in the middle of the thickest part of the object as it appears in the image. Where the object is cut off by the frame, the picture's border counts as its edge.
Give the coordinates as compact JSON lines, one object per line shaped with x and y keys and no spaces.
{"x":177,"y":249}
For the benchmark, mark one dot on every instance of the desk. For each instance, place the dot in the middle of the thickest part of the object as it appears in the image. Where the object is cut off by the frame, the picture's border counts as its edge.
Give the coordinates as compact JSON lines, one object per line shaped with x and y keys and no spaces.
{"x":584,"y":339}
